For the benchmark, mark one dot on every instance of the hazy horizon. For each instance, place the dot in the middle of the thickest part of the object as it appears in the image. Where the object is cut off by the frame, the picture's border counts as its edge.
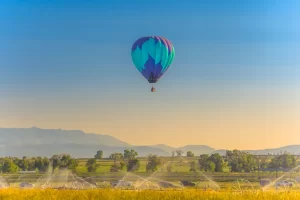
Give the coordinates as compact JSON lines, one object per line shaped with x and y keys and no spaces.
{"x":190,"y":144}
{"x":234,"y":82}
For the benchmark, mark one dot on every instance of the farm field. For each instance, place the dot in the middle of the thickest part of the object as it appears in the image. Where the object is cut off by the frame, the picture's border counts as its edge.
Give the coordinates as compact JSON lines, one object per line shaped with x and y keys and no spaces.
{"x":178,"y":183}
{"x":109,"y":194}
{"x":106,"y":175}
{"x":180,"y":172}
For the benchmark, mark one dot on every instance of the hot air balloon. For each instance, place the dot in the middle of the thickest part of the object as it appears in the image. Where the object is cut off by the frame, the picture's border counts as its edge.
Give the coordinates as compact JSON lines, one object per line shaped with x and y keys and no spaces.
{"x":152,"y":56}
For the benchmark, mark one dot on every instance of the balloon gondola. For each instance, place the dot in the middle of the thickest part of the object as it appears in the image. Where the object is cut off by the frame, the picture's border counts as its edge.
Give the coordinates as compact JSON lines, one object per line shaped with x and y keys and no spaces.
{"x":152,"y":56}
{"x":153,"y":89}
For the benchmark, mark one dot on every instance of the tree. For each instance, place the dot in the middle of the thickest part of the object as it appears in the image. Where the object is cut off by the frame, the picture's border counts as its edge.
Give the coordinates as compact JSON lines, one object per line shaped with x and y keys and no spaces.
{"x":8,"y":166}
{"x":68,"y":162}
{"x":116,"y":157}
{"x":133,"y":165}
{"x":99,"y":155}
{"x":23,"y":163}
{"x":179,"y":152}
{"x":31,"y":164}
{"x":39,"y":164}
{"x":55,"y":160}
{"x":218,"y":162}
{"x":288,"y":160}
{"x":234,"y":161}
{"x":189,"y":154}
{"x":46,"y":162}
{"x":210,"y":166}
{"x":118,"y":162}
{"x":91,"y":165}
{"x":275,"y":163}
{"x":73,"y":164}
{"x":130,"y":154}
{"x":240,"y":161}
{"x":64,"y":161}
{"x":42,"y":164}
{"x":153,"y":161}
{"x":204,"y":163}
{"x":260,"y":161}
{"x":283,"y":160}
{"x":249,"y":164}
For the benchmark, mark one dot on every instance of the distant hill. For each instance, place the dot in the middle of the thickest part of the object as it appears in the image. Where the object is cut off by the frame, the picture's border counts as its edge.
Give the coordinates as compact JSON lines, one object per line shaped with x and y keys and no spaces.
{"x":30,"y":136}
{"x":164,"y":147}
{"x":220,"y":151}
{"x":76,"y":150}
{"x":197,"y":149}
{"x":46,"y":142}
{"x":293,"y":149}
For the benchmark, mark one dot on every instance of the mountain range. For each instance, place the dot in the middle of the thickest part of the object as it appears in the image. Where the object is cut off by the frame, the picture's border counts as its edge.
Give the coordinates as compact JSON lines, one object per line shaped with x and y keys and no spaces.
{"x":47,"y":142}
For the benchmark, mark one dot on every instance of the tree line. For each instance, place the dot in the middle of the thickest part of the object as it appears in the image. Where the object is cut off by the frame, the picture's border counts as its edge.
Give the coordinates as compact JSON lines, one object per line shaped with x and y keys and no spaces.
{"x":240,"y":161}
{"x":233,"y":161}
{"x":127,"y":159}
{"x":38,"y":164}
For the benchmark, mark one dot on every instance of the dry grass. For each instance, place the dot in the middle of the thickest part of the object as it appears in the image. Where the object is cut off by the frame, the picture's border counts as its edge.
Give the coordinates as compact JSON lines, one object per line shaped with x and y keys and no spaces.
{"x":107,"y":194}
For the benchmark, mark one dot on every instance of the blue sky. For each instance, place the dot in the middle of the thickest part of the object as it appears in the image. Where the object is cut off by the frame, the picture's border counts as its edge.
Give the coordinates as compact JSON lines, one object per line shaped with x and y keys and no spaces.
{"x":72,"y":56}
{"x":70,"y":40}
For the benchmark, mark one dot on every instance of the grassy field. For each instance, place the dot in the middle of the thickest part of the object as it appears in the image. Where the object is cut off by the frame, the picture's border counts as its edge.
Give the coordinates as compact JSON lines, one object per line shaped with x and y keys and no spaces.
{"x":221,"y":178}
{"x":179,"y":165}
{"x":230,"y":186}
{"x":180,"y":172}
{"x":107,"y":194}
{"x":225,"y":180}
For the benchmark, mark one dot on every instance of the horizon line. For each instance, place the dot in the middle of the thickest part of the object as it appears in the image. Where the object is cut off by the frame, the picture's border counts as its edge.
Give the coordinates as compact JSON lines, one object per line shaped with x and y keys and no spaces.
{"x":149,"y":145}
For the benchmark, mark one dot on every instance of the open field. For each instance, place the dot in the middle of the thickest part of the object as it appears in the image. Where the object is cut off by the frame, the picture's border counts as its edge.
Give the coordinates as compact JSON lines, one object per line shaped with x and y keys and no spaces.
{"x":180,"y":165}
{"x":221,"y":178}
{"x":78,"y":183}
{"x":233,"y":182}
{"x":180,"y":172}
{"x":108,"y":194}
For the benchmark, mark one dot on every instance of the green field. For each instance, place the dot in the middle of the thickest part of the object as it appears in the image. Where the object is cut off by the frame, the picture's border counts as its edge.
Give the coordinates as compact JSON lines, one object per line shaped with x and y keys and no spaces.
{"x":225,"y":180}
{"x":102,"y":178}
{"x":208,"y":186}
{"x":180,"y":171}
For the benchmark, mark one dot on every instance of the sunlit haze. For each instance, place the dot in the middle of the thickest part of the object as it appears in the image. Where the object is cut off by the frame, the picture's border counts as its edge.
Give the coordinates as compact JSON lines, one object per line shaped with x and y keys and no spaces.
{"x":234,"y":82}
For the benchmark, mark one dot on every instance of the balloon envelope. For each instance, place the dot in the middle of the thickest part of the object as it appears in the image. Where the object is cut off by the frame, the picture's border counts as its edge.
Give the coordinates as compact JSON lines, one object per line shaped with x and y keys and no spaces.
{"x":152,"y":56}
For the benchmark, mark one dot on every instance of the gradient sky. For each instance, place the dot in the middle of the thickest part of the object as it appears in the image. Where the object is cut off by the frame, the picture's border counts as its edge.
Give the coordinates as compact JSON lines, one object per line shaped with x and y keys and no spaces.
{"x":234,"y":82}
